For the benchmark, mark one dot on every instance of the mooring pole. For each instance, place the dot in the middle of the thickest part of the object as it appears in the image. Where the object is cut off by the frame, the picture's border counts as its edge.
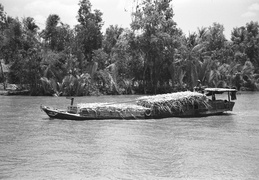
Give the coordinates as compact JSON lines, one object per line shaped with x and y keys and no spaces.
{"x":72,"y":101}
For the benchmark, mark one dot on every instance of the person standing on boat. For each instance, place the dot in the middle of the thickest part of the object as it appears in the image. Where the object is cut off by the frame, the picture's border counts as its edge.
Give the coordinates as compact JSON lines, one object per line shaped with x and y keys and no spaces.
{"x":198,"y":87}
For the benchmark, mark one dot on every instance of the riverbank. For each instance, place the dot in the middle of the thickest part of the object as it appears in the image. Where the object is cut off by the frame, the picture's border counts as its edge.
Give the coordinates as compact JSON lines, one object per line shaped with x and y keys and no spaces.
{"x":3,"y":92}
{"x":14,"y":92}
{"x":12,"y":89}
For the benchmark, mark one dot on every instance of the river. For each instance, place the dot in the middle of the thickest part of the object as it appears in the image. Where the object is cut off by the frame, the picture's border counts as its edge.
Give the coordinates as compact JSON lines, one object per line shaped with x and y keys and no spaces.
{"x":217,"y":147}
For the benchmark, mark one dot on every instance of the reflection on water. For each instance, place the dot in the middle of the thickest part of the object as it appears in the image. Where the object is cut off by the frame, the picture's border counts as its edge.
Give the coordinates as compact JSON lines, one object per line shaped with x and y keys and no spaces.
{"x":215,"y":147}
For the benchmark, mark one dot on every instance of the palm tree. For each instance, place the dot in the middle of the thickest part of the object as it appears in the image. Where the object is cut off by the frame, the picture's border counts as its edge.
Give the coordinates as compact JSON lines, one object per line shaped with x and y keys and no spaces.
{"x":193,"y":52}
{"x":78,"y":85}
{"x":251,"y":79}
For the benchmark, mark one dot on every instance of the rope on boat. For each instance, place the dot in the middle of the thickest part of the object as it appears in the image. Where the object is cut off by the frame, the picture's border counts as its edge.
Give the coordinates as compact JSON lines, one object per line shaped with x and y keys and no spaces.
{"x":120,"y":102}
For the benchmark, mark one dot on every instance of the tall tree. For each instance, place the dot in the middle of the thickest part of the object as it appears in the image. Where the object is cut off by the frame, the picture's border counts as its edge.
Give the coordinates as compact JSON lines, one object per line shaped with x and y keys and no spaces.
{"x":12,"y":39}
{"x":2,"y":19}
{"x":111,"y":37}
{"x":2,"y":27}
{"x":252,"y":38}
{"x":88,"y":32}
{"x":49,"y":34}
{"x":245,"y":43}
{"x":30,"y":36}
{"x":215,"y":37}
{"x":153,"y":19}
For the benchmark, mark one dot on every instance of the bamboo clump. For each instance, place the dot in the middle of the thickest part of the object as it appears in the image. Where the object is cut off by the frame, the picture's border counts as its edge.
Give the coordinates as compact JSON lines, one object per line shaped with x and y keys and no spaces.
{"x":173,"y":103}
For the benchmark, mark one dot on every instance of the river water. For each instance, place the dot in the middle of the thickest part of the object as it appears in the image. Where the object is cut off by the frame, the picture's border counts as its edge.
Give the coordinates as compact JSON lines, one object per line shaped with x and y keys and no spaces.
{"x":217,"y":147}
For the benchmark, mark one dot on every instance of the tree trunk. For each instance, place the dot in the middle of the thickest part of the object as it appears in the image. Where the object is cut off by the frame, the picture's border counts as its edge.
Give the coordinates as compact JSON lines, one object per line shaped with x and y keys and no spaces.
{"x":172,"y":73}
{"x":144,"y":77}
{"x":3,"y":75}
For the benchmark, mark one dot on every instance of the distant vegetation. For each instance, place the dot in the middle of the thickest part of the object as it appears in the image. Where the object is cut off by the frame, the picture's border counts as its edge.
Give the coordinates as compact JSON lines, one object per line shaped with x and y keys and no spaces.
{"x":153,"y":56}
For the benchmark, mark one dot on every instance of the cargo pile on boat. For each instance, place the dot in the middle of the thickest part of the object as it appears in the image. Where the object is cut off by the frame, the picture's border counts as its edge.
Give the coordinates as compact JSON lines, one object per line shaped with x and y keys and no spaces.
{"x":106,"y":110}
{"x":172,"y":103}
{"x":157,"y":106}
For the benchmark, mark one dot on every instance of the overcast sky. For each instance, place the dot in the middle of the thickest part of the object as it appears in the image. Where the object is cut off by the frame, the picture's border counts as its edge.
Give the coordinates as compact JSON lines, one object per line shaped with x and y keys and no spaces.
{"x":189,"y":14}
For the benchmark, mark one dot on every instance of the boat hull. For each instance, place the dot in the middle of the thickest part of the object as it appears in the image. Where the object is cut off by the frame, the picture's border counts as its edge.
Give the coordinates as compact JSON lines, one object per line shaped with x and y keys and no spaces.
{"x":60,"y":114}
{"x":218,"y":107}
{"x":215,"y":108}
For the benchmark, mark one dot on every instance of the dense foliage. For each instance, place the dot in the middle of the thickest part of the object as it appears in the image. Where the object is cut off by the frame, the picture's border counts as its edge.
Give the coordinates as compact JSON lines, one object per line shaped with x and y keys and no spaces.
{"x":153,"y":56}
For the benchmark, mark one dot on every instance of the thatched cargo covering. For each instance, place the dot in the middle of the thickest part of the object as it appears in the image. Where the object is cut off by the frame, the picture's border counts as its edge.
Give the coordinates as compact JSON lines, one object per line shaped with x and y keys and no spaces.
{"x":111,"y":111}
{"x":174,"y":104}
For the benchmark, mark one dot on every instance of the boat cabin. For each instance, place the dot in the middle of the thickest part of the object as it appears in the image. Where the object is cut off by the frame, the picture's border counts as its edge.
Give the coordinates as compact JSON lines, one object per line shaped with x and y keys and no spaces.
{"x":219,"y":106}
{"x":213,"y":91}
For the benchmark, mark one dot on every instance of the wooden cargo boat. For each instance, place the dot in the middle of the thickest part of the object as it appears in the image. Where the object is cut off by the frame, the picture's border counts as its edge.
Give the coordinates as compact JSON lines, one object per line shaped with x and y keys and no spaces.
{"x":181,"y":104}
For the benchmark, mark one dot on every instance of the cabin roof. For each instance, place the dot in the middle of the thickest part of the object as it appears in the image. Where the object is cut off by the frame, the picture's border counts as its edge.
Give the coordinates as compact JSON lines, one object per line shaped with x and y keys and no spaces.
{"x":219,"y":90}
